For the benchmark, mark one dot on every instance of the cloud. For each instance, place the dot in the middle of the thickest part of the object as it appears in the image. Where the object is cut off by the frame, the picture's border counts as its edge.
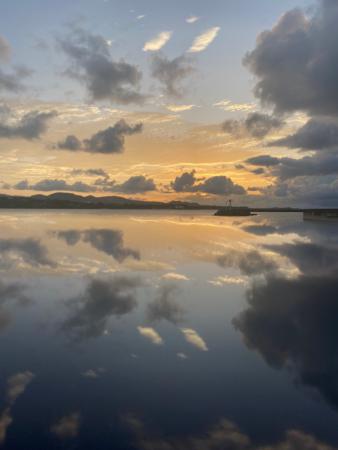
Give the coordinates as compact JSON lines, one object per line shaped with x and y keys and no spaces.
{"x":256,"y":124}
{"x":296,"y":62}
{"x":309,"y":166}
{"x":104,"y":78}
{"x":179,"y":108}
{"x":90,"y":172}
{"x":316,"y":134}
{"x":31,"y":126}
{"x":5,"y":50}
{"x":175,"y":276}
{"x":165,"y":306}
{"x":224,"y":435}
{"x":137,"y":184}
{"x":251,"y":262}
{"x":103,"y":240}
{"x":194,"y":339}
{"x":204,"y":40}
{"x":228,"y":105}
{"x":71,"y":142}
{"x":67,"y":427}
{"x":16,"y":386}
{"x":218,"y":185}
{"x":150,"y":334}
{"x":263,"y":160}
{"x":184,"y":182}
{"x":54,"y":185}
{"x":30,"y":250}
{"x":192,"y":19}
{"x":157,"y":42}
{"x":110,"y":140}
{"x":171,"y":73}
{"x":100,"y":301}
{"x":13,"y":81}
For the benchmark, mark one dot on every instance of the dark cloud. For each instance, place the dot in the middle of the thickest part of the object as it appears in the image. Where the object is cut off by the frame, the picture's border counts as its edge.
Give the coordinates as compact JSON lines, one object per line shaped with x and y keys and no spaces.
{"x":218,"y":185}
{"x":71,"y":142}
{"x":110,"y":140}
{"x":263,"y":160}
{"x":137,"y":184}
{"x":54,"y":185}
{"x":316,"y":134}
{"x":107,"y":241}
{"x":101,"y":300}
{"x":319,"y":164}
{"x":256,"y":124}
{"x":13,"y":81}
{"x":184,"y":182}
{"x":225,"y":435}
{"x":252,"y":262}
{"x":171,"y":73}
{"x":165,"y":306}
{"x":296,"y":62}
{"x":30,"y":126}
{"x":92,"y":65}
{"x":90,"y":172}
{"x":30,"y":250}
{"x":259,"y":125}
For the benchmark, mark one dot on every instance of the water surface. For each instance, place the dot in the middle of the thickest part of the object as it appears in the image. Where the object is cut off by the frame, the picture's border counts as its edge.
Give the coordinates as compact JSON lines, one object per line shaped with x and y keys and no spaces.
{"x":161,"y":331}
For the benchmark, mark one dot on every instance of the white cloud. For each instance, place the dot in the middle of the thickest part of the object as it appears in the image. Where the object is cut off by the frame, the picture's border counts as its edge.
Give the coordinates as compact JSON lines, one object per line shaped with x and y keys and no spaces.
{"x":140,"y":17}
{"x":157,"y":42}
{"x":202,"y":41}
{"x":179,"y":108}
{"x":151,"y":334}
{"x":174,"y":276}
{"x":228,"y":105}
{"x":182,"y":356}
{"x":194,"y":339}
{"x":221,"y":281}
{"x":192,"y":19}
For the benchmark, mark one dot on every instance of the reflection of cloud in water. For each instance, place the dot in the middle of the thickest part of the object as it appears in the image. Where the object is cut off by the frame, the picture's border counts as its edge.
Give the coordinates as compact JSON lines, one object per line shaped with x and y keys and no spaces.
{"x":12,"y":292}
{"x":194,"y":339}
{"x":224,"y":435}
{"x":175,"y":276}
{"x":101,"y":300}
{"x":16,"y":386}
{"x":165,"y":306}
{"x":294,"y":322}
{"x":150,"y":334}
{"x":250,"y":262}
{"x":104,"y":240}
{"x":67,"y":426}
{"x":30,"y":251}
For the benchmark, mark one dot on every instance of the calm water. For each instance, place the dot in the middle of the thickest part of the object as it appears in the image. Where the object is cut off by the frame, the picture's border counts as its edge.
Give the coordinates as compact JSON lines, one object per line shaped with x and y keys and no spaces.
{"x":159,"y":331}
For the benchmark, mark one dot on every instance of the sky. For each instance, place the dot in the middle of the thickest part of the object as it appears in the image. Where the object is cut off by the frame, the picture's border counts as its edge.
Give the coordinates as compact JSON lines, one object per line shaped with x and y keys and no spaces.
{"x":181,"y":100}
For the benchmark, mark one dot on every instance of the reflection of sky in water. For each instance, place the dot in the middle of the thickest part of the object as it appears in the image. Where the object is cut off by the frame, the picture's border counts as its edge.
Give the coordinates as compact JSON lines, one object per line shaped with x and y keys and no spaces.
{"x":161,"y":331}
